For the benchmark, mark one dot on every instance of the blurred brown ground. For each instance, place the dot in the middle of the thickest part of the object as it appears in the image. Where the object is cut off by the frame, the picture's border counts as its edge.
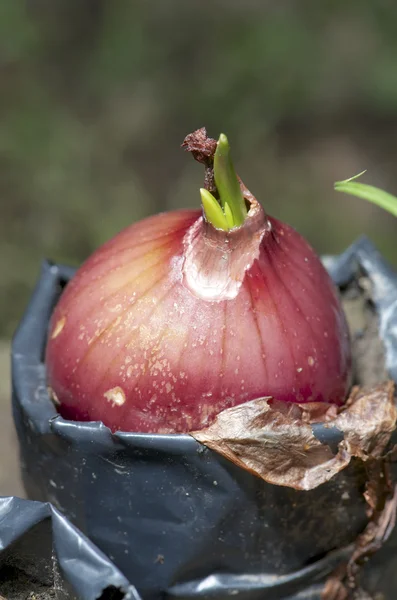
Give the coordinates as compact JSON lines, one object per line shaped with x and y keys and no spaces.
{"x":10,"y":483}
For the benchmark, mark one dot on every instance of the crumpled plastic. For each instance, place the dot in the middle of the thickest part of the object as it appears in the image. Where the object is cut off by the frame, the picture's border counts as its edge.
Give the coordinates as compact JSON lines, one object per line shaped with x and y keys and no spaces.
{"x":41,"y":552}
{"x":177,"y":518}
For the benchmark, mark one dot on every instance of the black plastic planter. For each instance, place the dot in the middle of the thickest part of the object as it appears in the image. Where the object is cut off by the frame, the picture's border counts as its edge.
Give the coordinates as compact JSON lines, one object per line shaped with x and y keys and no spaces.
{"x":177,"y":518}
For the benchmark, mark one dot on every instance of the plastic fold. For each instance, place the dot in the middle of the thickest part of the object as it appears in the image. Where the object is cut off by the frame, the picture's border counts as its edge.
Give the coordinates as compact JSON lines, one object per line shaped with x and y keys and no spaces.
{"x":43,"y":554}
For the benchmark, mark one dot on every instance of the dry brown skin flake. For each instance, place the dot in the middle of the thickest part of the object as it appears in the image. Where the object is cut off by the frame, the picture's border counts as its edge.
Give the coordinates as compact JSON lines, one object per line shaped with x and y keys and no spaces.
{"x":275,"y":441}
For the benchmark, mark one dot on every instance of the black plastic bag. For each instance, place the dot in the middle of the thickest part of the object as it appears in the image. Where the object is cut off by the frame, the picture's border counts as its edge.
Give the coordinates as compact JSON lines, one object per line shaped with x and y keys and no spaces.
{"x":43,"y":554}
{"x":177,"y":518}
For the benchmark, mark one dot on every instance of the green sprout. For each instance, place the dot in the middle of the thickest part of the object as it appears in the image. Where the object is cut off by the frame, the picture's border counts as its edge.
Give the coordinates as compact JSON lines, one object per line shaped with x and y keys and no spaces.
{"x":213,"y":210}
{"x":368,"y":192}
{"x":230,"y":211}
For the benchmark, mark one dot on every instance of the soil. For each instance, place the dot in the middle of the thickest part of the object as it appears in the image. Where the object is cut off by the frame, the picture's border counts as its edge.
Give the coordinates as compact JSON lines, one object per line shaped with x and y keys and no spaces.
{"x":19,"y":586}
{"x":367,"y":347}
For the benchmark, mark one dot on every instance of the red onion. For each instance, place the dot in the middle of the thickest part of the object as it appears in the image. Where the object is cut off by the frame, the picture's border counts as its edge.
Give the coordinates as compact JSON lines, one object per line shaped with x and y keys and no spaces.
{"x":175,"y":320}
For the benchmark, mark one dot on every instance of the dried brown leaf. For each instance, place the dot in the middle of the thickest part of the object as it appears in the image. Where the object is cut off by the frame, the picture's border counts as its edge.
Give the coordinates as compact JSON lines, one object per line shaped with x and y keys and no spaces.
{"x":343,"y":583}
{"x":368,"y":421}
{"x":374,"y":536}
{"x":334,"y":588}
{"x":275,"y":440}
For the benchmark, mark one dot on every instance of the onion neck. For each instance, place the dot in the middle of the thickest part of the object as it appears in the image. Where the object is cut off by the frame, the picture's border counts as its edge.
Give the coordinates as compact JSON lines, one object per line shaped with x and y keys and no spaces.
{"x":234,"y":239}
{"x":215,"y":261}
{"x":223,"y":244}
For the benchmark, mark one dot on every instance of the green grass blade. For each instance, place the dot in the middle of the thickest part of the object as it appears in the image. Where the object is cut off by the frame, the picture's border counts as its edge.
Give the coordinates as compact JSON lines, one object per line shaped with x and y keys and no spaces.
{"x":367,"y":192}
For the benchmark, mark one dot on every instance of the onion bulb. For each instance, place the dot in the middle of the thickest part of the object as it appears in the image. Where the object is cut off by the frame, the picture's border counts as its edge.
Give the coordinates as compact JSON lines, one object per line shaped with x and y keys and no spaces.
{"x":190,"y":312}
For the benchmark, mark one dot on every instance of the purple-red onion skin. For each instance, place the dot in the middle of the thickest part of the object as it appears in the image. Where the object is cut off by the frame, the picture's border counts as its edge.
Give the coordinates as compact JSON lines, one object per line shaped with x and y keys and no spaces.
{"x":172,"y":321}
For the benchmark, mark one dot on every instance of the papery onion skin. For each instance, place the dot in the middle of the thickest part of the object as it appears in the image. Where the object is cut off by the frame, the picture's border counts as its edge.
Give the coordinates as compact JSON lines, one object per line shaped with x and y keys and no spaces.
{"x":173,"y":321}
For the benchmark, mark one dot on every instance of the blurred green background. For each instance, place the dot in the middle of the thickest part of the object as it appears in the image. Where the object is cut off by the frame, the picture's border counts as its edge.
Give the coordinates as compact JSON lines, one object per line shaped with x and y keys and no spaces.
{"x":96,"y":97}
